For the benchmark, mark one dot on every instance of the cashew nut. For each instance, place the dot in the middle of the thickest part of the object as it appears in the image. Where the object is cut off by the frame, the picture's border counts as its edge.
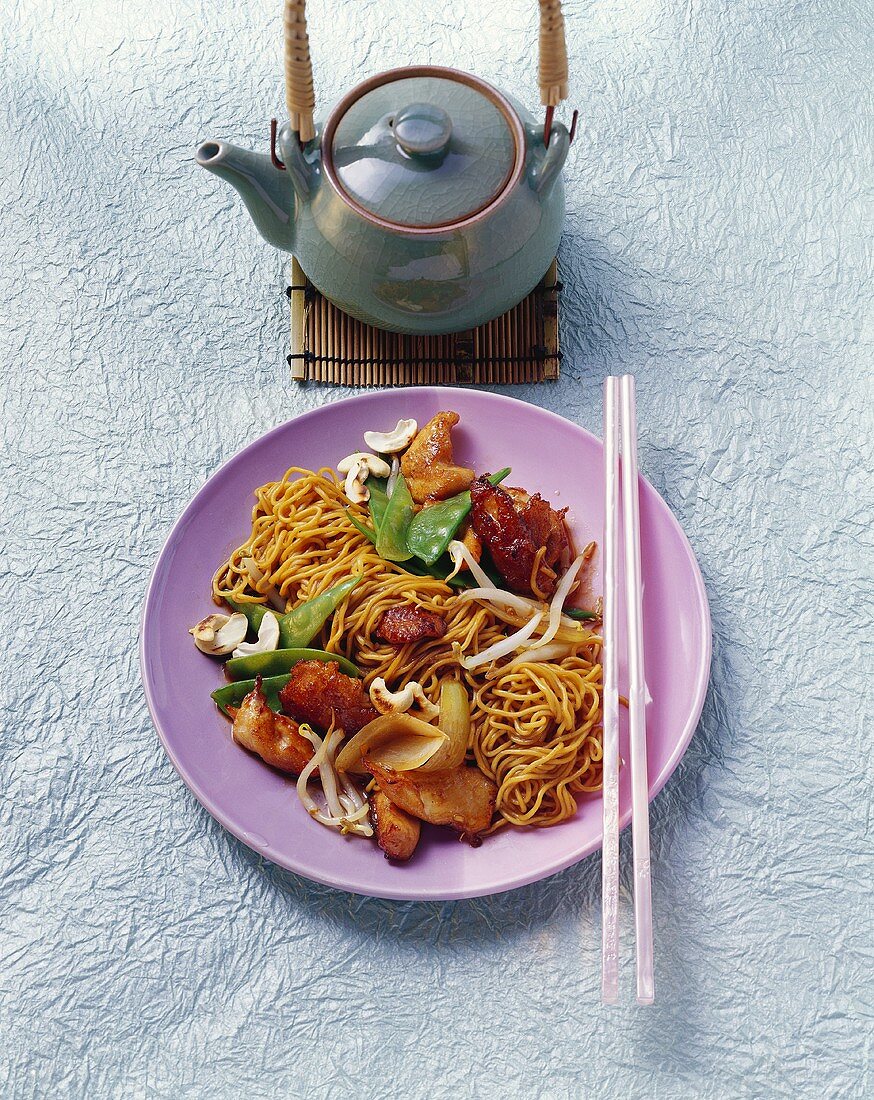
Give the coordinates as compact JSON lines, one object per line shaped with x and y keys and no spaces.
{"x":219,"y":634}
{"x":357,"y":468}
{"x":372,"y":463}
{"x":268,"y":637}
{"x":354,"y":486}
{"x":389,"y":443}
{"x":399,"y":702}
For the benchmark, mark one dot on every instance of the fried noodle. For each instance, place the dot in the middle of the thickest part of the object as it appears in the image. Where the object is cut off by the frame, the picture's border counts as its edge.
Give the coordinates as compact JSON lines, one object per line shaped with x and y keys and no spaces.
{"x":535,"y":724}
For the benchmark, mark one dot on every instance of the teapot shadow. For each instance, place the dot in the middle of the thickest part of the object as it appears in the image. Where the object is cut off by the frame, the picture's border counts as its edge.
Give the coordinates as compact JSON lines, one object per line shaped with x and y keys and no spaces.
{"x":600,"y":324}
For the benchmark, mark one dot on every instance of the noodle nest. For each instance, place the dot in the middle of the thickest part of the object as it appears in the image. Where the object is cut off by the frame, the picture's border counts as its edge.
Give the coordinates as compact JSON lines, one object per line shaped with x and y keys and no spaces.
{"x":535,"y":725}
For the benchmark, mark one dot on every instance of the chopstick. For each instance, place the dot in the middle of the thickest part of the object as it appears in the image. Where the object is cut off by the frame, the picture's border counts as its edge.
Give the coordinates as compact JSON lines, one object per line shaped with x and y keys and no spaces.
{"x":636,"y":696}
{"x":627,"y":440}
{"x":610,"y":846}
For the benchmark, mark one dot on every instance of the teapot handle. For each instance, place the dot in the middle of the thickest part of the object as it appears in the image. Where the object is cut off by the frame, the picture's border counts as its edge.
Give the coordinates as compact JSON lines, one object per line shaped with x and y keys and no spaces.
{"x":300,"y":99}
{"x":547,"y":170}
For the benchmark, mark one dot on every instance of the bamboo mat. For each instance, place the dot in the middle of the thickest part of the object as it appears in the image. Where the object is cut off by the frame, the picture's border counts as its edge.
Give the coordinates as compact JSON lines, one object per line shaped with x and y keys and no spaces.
{"x":327,"y":345}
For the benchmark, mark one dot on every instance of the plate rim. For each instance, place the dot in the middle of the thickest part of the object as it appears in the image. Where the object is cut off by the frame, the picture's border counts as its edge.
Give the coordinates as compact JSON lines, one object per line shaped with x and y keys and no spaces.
{"x":558,"y":865}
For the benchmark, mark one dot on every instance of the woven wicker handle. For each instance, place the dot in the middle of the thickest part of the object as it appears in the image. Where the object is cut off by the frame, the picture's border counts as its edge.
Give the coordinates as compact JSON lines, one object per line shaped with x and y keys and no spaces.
{"x":300,"y":100}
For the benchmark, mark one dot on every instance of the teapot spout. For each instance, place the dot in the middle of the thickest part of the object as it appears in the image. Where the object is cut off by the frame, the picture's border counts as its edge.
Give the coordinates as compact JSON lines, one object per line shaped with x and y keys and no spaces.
{"x":267,"y":193}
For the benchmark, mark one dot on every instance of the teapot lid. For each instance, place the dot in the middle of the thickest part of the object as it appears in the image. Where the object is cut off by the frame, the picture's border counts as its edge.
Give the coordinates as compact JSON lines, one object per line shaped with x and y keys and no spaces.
{"x":423,"y":148}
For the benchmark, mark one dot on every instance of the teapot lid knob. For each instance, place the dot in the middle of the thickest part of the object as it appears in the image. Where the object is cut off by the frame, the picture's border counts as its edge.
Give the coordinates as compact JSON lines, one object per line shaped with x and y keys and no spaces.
{"x":422,"y":129}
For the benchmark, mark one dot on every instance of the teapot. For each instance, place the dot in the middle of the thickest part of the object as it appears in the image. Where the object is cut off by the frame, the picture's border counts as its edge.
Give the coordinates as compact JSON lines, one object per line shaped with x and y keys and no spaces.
{"x":426,"y":202}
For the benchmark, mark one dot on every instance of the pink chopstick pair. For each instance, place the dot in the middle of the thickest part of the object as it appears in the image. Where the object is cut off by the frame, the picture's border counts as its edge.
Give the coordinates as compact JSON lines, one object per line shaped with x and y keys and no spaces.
{"x":620,"y":487}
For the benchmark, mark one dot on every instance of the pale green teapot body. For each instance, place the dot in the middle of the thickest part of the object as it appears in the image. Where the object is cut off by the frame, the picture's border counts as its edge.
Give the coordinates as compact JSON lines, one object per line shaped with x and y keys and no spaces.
{"x":426,"y":203}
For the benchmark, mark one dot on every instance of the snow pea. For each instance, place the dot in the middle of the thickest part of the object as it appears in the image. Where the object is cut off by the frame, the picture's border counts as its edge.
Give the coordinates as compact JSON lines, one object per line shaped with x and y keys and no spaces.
{"x":378,"y":500}
{"x":231,"y":695}
{"x":417,"y":568}
{"x":278,"y":661}
{"x":578,"y":613}
{"x":299,"y":626}
{"x":254,"y":612}
{"x":391,"y":535}
{"x":432,"y":529}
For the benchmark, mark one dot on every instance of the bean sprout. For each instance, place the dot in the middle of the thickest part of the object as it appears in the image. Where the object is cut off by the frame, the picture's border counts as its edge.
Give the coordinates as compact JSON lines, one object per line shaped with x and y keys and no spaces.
{"x":561,"y":594}
{"x":462,"y":556}
{"x":504,"y":646}
{"x":348,"y":808}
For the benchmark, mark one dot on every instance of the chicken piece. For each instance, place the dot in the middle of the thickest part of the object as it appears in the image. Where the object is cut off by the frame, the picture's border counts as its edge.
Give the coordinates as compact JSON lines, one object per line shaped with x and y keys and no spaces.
{"x":428,"y":465}
{"x":273,"y":737}
{"x":514,"y":526}
{"x":548,"y":528}
{"x":471,"y":540}
{"x":461,"y":797}
{"x":317,"y":689}
{"x":397,"y":832}
{"x":502,"y":530}
{"x":405,"y":623}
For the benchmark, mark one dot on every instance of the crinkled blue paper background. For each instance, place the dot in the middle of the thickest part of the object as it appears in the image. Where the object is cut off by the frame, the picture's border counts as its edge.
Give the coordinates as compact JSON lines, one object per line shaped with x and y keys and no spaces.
{"x":716,"y":246}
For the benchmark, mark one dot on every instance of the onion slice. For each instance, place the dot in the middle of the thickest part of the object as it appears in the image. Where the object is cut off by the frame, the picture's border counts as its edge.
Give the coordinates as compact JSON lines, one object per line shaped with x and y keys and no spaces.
{"x":397,"y":741}
{"x":454,"y":720}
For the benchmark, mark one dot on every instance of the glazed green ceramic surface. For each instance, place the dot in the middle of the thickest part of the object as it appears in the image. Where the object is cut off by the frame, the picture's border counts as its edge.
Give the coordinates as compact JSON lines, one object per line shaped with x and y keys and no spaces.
{"x":422,"y":151}
{"x":451,"y":158}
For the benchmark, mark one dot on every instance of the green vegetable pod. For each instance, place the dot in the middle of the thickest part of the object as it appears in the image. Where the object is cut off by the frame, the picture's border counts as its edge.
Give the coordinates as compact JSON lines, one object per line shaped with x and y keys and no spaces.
{"x":278,"y":661}
{"x":391,"y":535}
{"x":439,"y":570}
{"x":254,"y":612}
{"x":378,"y":500}
{"x":275,"y":673}
{"x":432,"y":529}
{"x":299,"y":626}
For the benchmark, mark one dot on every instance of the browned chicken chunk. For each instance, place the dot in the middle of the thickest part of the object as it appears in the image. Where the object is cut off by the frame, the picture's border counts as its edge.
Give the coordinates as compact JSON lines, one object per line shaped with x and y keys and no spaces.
{"x":471,"y":540}
{"x":317,"y":689}
{"x":514,"y":526}
{"x":548,"y":528}
{"x":461,"y":797}
{"x":397,"y":832}
{"x":273,"y":737}
{"x":428,"y":464}
{"x":405,"y":623}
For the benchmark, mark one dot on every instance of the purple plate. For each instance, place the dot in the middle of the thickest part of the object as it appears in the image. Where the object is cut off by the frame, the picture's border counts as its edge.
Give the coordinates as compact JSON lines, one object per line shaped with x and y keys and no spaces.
{"x":548,"y":454}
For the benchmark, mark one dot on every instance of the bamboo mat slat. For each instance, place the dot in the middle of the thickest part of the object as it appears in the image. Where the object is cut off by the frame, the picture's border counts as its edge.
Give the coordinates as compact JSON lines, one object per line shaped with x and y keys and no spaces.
{"x":327,"y":345}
